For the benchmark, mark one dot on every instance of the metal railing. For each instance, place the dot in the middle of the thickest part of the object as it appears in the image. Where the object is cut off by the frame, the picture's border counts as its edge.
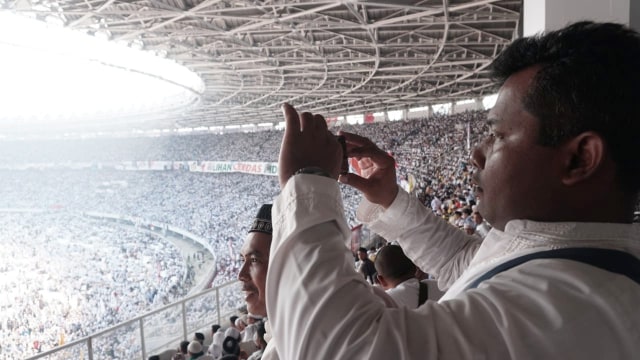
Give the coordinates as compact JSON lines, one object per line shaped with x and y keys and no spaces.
{"x":155,"y":331}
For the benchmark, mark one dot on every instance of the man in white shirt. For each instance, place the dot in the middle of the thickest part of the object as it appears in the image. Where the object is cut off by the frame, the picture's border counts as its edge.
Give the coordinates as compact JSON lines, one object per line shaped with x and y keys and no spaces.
{"x":397,"y":275}
{"x":558,"y":170}
{"x":436,"y":204}
{"x":482,"y":228}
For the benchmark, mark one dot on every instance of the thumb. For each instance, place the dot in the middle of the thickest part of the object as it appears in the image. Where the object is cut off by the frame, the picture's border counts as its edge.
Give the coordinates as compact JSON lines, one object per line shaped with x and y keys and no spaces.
{"x":292,"y":121}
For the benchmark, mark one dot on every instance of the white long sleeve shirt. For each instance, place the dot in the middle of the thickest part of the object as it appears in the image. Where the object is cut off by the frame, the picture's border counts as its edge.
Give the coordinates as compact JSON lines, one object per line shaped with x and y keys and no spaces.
{"x":543,"y":309}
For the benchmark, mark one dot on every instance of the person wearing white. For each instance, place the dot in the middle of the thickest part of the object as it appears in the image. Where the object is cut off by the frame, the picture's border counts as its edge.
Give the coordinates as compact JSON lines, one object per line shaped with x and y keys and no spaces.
{"x":553,"y":173}
{"x":406,"y":293}
{"x":397,"y":275}
{"x":482,"y":228}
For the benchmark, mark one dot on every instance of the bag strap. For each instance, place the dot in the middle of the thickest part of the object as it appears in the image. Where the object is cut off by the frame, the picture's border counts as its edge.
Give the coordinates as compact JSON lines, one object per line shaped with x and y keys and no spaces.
{"x":615,"y":261}
{"x":423,"y":293}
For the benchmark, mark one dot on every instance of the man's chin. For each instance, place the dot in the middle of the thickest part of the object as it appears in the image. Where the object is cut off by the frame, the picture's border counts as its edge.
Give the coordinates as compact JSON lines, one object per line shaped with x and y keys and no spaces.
{"x":257,"y":310}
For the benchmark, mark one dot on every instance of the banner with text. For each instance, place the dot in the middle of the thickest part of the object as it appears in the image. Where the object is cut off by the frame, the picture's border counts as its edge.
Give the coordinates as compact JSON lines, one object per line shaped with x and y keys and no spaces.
{"x":248,"y":167}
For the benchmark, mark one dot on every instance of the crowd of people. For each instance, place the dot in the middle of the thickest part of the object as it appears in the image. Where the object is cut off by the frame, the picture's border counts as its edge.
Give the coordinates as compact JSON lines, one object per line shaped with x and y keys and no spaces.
{"x":65,"y":277}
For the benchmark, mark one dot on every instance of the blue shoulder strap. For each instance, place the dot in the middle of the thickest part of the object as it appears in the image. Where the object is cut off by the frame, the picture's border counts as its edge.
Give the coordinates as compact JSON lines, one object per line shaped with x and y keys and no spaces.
{"x":615,"y":261}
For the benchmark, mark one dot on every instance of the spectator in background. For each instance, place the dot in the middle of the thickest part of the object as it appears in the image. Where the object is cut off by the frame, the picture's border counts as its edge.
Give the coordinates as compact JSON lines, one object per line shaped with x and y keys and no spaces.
{"x":183,"y":351}
{"x":196,"y":352}
{"x":469,"y":228}
{"x":397,"y":275}
{"x":214,"y":329}
{"x":215,"y":349}
{"x":365,"y":265}
{"x":232,"y":321}
{"x":199,"y":337}
{"x":241,"y":323}
{"x":260,"y":342}
{"x":482,"y":228}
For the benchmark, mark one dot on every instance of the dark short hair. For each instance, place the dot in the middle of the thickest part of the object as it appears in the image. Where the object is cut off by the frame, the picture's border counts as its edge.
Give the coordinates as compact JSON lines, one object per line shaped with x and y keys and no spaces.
{"x":199,"y":336}
{"x":589,"y":80}
{"x":391,"y":262}
{"x":260,"y":330}
{"x":183,"y":346}
{"x":215,"y":327}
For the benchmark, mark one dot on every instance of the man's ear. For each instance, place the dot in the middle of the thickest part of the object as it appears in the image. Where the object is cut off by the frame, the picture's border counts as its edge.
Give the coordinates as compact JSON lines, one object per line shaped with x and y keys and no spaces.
{"x":585,"y":154}
{"x":382,"y":281}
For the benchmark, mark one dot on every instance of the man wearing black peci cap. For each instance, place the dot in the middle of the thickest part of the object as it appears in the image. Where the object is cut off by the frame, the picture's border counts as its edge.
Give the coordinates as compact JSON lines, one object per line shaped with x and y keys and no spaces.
{"x":253,"y":273}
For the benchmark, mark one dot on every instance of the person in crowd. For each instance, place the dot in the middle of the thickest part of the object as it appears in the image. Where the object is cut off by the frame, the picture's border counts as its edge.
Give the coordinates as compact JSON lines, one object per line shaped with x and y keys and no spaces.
{"x":250,"y":330}
{"x":215,"y":349}
{"x":259,"y":340}
{"x":558,"y":178}
{"x":199,"y":337}
{"x":397,"y":275}
{"x":365,"y":265}
{"x":482,"y":228}
{"x":456,"y":218}
{"x":469,"y":228}
{"x":231,"y":349}
{"x":241,"y":323}
{"x":195,"y":351}
{"x":214,"y":329}
{"x":232,"y":321}
{"x":466,"y":218}
{"x":183,"y":351}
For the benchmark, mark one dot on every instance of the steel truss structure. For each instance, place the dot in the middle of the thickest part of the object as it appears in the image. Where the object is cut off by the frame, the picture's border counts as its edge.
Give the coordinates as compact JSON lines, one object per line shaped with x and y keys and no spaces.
{"x":329,"y":57}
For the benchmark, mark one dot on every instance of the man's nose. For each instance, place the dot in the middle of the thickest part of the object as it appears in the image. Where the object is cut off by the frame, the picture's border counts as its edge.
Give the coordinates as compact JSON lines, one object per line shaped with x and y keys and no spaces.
{"x":477,"y":156}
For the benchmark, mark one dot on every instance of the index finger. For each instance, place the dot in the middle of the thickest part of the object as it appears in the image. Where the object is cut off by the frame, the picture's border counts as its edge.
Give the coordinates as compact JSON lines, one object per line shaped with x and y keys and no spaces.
{"x":360,"y":147}
{"x":354,"y":139}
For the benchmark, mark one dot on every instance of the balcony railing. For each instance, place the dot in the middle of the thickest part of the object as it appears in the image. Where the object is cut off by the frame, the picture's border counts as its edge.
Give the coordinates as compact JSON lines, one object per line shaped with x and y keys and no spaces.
{"x":155,"y":331}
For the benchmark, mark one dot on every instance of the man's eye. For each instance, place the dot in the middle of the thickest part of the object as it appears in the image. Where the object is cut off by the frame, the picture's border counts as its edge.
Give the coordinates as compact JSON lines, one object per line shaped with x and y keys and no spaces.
{"x":254,"y":260}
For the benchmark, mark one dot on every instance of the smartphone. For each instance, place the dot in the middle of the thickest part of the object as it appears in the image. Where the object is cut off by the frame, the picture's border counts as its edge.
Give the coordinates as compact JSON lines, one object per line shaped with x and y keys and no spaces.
{"x":345,"y":159}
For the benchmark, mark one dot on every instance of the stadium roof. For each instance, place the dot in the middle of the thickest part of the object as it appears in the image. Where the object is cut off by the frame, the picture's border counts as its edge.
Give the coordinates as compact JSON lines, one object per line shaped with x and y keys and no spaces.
{"x":330,"y":57}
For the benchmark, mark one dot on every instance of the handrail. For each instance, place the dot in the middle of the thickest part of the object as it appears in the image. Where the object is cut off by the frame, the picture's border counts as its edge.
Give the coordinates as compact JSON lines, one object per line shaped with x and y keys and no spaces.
{"x":140,"y":320}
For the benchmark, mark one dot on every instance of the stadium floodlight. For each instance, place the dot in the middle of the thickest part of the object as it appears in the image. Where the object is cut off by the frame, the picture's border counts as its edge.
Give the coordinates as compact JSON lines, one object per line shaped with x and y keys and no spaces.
{"x":395,"y":115}
{"x":489,"y":101}
{"x":54,"y":76}
{"x":355,"y":119}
